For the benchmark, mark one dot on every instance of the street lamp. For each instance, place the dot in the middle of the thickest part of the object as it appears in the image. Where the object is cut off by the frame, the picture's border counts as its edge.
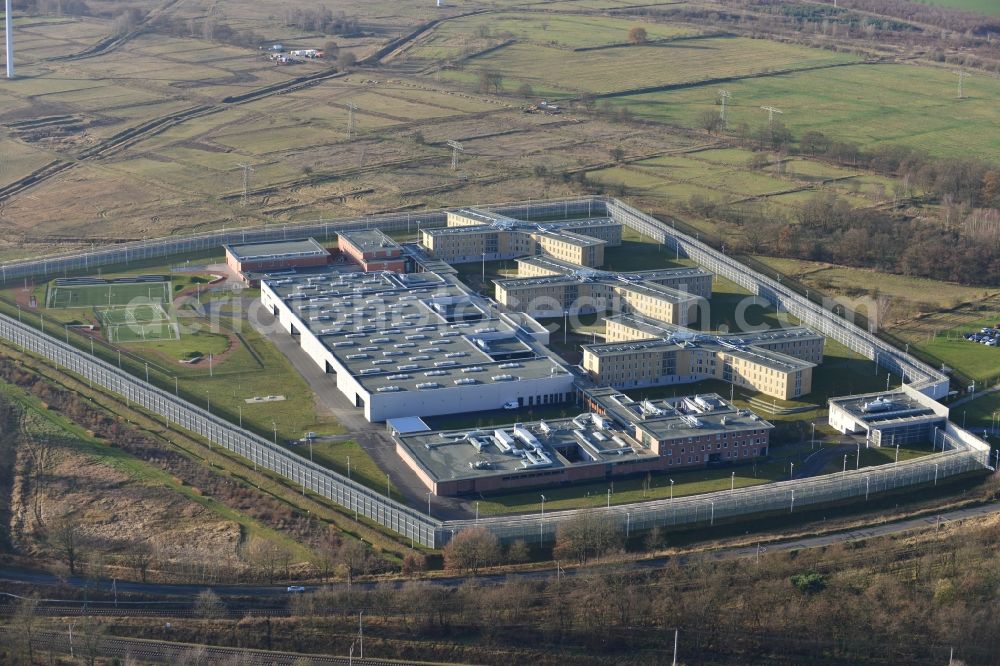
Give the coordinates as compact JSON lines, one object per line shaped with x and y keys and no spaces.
{"x":791,"y":507}
{"x":428,"y":502}
{"x":791,"y":470}
{"x":845,"y":464}
{"x":868,"y":485}
{"x":813,"y":444}
{"x":275,"y":426}
{"x":671,"y":491}
{"x":609,"y":498}
{"x":857,"y":464}
{"x":711,"y":520}
{"x":565,"y":325}
{"x":543,"y":505}
{"x":732,"y":482}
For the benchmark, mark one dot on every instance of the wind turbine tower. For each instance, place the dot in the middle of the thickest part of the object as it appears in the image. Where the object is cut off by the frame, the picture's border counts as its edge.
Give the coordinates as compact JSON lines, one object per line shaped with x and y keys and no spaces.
{"x":9,"y":25}
{"x":456,"y":148}
{"x":770,"y":114}
{"x":961,"y":73}
{"x":725,"y":95}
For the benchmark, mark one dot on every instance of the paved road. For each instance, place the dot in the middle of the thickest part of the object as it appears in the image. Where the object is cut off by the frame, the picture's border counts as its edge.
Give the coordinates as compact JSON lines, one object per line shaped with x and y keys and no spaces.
{"x":38,"y":578}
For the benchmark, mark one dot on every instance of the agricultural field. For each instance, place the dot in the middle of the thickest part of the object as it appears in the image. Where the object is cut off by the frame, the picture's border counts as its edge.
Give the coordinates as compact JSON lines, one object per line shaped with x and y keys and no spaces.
{"x":868,"y":104}
{"x":472,"y":34}
{"x":723,"y":176}
{"x":557,"y":73}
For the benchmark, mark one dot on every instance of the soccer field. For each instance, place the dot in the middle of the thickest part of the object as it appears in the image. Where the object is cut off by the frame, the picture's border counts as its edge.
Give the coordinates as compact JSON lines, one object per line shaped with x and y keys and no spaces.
{"x":108,"y":294}
{"x":138,"y":323}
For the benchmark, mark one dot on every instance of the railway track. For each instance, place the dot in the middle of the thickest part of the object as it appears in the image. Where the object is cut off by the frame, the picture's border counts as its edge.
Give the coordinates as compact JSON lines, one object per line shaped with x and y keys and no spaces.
{"x":168,"y":652}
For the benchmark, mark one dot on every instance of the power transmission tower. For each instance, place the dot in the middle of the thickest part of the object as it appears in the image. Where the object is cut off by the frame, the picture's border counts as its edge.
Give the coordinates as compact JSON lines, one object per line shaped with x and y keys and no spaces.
{"x":247,"y":170}
{"x":456,"y":148}
{"x":725,"y":95}
{"x":770,"y":113}
{"x":351,"y":108}
{"x":962,"y":76}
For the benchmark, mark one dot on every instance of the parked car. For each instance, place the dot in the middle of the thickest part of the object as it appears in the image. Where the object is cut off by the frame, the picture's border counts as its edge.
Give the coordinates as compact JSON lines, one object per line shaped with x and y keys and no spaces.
{"x":513,"y":404}
{"x":296,"y":588}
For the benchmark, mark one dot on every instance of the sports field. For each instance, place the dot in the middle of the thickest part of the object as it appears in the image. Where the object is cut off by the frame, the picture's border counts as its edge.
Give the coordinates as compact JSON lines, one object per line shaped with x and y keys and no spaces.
{"x":137,"y":323}
{"x":107,"y":294}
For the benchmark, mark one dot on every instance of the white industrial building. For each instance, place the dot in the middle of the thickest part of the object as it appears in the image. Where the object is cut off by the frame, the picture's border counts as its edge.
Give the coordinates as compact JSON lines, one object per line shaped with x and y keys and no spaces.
{"x":415,"y":344}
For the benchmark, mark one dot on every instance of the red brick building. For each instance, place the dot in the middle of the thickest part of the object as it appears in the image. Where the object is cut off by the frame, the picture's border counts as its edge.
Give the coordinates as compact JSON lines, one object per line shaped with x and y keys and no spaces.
{"x":277,"y":255}
{"x":372,"y":250}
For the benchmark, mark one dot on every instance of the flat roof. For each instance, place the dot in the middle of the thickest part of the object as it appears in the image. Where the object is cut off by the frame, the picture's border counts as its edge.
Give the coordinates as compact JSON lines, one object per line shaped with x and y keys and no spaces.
{"x":304,"y":247}
{"x":407,"y":424}
{"x":571,"y":238}
{"x":673,"y":418}
{"x":368,"y":239}
{"x":412,"y":332}
{"x":658,"y":291}
{"x":765,"y":357}
{"x":522,"y":448}
{"x":662,"y":329}
{"x":885,"y":408}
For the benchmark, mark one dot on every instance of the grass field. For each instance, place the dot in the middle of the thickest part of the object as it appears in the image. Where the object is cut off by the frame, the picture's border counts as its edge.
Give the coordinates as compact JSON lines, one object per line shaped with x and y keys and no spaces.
{"x":137,"y":323}
{"x":108,"y":294}
{"x":869,"y":104}
{"x":980,"y":6}
{"x":556,"y":72}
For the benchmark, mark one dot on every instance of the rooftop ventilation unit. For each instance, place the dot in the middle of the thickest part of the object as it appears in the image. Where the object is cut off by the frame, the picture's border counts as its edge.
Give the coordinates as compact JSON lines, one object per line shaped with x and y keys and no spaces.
{"x":435,"y":373}
{"x":465,"y":381}
{"x":428,"y":385}
{"x":503,"y":378}
{"x":399,"y":377}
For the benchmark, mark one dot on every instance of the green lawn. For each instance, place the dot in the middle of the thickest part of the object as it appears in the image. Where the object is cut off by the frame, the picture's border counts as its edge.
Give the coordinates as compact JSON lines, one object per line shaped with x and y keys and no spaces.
{"x":110,"y":294}
{"x":976,"y":361}
{"x":335,"y":456}
{"x":886,"y":455}
{"x":868,"y":104}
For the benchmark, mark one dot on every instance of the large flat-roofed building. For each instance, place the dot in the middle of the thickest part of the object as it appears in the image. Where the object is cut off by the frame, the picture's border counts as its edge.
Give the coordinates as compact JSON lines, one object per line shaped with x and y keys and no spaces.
{"x":797,"y":341}
{"x":690,"y":357}
{"x":472,"y":235}
{"x":694,"y":430}
{"x":672,"y":294}
{"x":904,"y":416}
{"x":372,"y":250}
{"x":620,"y":437}
{"x":277,"y":255}
{"x":416,"y":344}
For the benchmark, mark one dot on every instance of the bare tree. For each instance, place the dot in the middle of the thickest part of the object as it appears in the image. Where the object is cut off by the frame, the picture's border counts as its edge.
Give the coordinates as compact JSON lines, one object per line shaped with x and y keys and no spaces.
{"x":490,"y":80}
{"x":24,"y":621}
{"x":138,"y":557}
{"x":354,"y":558}
{"x":208,"y":605}
{"x":471,"y":549}
{"x":586,"y":536}
{"x":638,"y":35}
{"x":66,"y":537}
